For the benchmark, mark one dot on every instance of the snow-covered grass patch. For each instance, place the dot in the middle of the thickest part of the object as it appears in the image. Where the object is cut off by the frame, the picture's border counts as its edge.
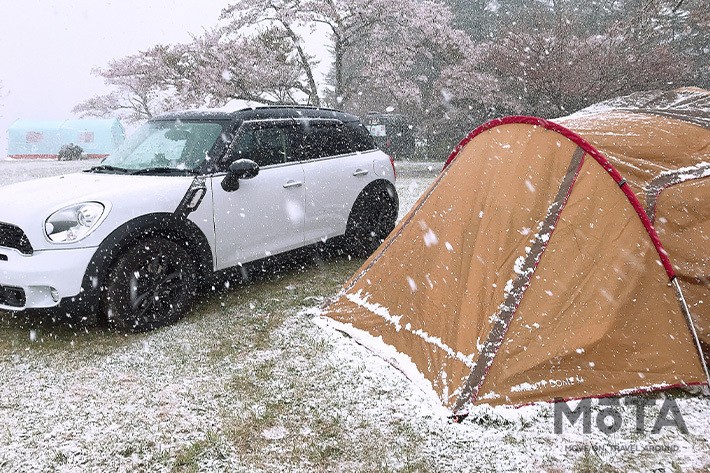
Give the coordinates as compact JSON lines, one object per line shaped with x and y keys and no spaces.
{"x":18,"y":170}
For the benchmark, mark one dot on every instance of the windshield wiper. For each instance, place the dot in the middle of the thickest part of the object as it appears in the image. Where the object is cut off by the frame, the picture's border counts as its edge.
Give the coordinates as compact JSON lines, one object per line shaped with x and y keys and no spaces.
{"x":164,"y":170}
{"x":106,"y":167}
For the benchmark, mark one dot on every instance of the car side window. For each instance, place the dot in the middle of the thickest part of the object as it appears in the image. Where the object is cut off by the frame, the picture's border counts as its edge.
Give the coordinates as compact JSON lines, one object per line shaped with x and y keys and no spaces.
{"x":360,"y":137}
{"x":320,"y":140}
{"x":265,"y":145}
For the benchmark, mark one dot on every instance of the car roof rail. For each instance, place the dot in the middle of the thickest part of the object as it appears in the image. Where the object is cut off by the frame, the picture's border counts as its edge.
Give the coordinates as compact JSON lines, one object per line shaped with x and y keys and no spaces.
{"x":294,"y":105}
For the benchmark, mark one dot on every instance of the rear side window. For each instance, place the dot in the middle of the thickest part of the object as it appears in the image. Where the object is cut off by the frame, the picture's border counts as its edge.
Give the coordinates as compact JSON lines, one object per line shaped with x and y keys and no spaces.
{"x":320,"y":140}
{"x":360,"y":137}
{"x":272,"y":143}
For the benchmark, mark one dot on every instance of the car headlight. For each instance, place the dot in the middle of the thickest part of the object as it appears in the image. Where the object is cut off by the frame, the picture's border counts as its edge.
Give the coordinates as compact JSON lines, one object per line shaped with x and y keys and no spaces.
{"x":73,"y":223}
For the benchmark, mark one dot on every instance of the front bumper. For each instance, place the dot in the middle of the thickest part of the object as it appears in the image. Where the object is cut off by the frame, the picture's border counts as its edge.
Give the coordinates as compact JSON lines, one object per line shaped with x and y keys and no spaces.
{"x":42,"y":279}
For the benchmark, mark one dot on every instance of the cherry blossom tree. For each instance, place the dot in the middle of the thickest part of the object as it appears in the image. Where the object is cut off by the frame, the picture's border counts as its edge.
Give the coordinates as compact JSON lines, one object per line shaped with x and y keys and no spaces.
{"x":398,"y":46}
{"x":141,"y":86}
{"x":556,"y":63}
{"x":280,"y":20}
{"x":430,"y":74}
{"x":387,"y":55}
{"x":448,"y":65}
{"x":401,"y":55}
{"x":261,"y":68}
{"x":209,"y":71}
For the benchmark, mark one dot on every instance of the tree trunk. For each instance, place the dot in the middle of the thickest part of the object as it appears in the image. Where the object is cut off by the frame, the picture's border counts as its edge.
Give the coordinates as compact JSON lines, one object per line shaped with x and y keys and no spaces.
{"x":340,"y":91}
{"x":313,"y":98}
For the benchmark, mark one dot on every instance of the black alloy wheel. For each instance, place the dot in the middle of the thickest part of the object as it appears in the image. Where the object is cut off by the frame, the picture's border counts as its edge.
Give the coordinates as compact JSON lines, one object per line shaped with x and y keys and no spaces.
{"x":151,"y":285}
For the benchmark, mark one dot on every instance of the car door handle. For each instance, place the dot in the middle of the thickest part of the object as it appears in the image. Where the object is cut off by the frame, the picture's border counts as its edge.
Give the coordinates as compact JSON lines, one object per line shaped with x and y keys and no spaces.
{"x":361,"y":172}
{"x":289,"y":184}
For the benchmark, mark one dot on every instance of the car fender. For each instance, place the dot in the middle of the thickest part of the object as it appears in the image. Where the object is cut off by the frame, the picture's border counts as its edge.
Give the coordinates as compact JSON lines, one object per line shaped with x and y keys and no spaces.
{"x":379,"y":185}
{"x":168,"y":225}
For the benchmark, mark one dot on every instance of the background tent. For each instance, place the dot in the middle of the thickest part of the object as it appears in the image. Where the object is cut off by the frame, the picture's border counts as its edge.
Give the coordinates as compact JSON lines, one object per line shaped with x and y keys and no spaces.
{"x":44,"y":138}
{"x":530,"y":270}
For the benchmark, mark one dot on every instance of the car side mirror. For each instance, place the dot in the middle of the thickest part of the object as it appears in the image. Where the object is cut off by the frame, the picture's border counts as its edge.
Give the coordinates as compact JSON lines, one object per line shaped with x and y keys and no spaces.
{"x":239,"y":169}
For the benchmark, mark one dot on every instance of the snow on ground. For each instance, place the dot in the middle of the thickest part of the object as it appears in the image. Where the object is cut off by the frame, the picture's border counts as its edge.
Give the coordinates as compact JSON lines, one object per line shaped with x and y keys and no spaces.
{"x":17,"y":170}
{"x":247,"y":382}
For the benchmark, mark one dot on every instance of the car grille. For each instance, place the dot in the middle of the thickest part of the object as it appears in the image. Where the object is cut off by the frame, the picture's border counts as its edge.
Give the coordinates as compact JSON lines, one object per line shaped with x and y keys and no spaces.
{"x":12,"y":296}
{"x":13,"y":237}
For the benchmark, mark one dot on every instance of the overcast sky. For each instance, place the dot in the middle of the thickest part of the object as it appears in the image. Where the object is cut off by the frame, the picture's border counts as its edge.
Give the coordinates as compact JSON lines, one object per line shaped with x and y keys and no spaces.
{"x":48,"y":48}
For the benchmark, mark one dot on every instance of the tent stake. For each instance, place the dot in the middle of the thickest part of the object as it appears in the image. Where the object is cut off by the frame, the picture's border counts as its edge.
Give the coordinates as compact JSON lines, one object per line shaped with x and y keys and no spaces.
{"x":688,"y":318}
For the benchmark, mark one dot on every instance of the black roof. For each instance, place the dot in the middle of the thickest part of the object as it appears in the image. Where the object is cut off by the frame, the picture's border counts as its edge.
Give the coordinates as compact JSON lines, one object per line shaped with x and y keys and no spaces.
{"x":257,"y":113}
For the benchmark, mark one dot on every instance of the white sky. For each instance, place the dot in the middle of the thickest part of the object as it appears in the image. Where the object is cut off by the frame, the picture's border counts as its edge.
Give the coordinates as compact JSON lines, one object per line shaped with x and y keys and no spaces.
{"x":48,"y":48}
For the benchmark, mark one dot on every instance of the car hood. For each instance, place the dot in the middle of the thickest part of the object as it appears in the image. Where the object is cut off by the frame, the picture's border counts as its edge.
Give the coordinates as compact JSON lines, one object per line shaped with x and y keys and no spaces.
{"x":28,"y":204}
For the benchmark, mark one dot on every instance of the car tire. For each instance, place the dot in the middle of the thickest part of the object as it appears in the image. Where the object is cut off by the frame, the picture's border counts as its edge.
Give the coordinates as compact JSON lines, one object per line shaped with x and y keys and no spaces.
{"x":372,"y":218}
{"x":150,"y":285}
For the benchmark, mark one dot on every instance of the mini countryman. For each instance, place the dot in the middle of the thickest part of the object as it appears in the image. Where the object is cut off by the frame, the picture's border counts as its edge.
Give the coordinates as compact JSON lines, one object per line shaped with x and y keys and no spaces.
{"x":190,"y":194}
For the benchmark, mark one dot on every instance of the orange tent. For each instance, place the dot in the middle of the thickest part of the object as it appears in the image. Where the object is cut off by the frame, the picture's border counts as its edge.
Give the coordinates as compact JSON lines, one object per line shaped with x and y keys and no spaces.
{"x":549,"y":259}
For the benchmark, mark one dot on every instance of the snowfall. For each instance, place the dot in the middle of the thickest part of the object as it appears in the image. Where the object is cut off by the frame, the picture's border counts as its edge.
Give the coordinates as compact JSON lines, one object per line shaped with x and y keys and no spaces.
{"x":85,"y":399}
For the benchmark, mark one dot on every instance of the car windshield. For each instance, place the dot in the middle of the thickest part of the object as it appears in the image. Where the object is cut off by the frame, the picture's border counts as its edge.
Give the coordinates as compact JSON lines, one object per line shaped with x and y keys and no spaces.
{"x":165,"y":146}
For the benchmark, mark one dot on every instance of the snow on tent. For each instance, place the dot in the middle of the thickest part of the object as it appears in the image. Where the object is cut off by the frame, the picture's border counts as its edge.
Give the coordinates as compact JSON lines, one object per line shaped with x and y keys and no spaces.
{"x":532,"y":270}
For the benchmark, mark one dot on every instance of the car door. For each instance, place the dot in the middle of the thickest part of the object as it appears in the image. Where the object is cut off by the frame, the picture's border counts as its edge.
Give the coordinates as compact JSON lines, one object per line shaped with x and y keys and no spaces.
{"x":334,"y":176}
{"x":265,"y":216}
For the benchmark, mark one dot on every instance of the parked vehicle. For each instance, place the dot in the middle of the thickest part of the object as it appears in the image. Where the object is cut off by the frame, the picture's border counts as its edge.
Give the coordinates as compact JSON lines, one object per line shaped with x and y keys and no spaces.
{"x":187,"y":195}
{"x":393,"y":134}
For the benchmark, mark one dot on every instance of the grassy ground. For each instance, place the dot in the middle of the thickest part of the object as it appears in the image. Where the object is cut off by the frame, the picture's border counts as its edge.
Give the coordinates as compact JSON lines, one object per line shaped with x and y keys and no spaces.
{"x":244,"y":353}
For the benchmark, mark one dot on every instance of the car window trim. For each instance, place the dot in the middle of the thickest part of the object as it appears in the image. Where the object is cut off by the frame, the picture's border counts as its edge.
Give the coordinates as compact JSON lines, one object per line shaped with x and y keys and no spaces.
{"x":337,"y":156}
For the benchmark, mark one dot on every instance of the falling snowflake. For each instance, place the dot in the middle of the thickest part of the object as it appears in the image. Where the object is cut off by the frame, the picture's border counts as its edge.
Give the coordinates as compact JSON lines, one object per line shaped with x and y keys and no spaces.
{"x":412,"y":284}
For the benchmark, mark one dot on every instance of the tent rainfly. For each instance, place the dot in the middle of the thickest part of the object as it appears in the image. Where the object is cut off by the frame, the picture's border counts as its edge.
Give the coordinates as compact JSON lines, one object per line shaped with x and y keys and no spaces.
{"x":550,"y":260}
{"x":43,"y":138}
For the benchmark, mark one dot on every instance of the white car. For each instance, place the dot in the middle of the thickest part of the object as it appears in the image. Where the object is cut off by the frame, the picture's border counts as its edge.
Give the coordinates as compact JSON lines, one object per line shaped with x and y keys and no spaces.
{"x":189,"y":194}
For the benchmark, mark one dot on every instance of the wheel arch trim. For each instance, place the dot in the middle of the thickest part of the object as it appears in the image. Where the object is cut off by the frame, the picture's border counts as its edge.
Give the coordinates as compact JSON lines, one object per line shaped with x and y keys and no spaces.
{"x":166,"y":225}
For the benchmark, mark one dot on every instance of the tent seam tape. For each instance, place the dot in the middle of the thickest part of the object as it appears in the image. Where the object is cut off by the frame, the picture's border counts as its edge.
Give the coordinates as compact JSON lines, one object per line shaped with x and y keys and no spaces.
{"x":474,"y":395}
{"x":607,"y":166}
{"x":653,"y":193}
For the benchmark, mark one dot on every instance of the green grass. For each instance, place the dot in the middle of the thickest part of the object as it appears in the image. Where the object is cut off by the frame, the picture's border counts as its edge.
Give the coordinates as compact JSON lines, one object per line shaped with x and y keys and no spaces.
{"x":311,"y":437}
{"x":187,"y":460}
{"x":240,"y":320}
{"x":282,"y":406}
{"x":590,"y":462}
